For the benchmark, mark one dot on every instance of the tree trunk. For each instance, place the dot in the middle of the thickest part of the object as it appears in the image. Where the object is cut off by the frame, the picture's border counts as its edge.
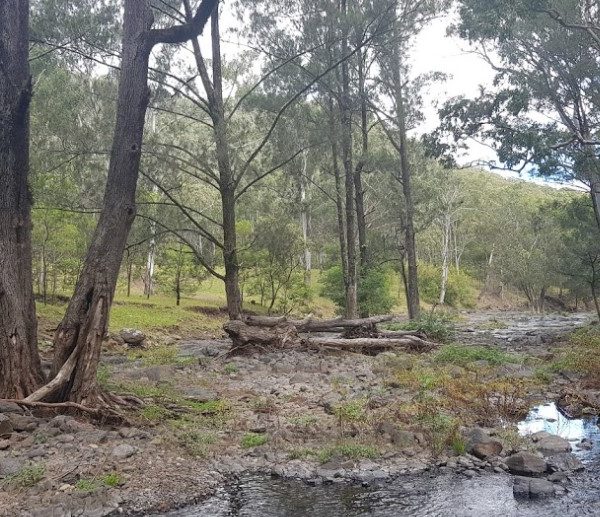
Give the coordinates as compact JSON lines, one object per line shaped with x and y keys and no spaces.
{"x":150,"y":263}
{"x":361,"y":220}
{"x":346,"y":126}
{"x":412,"y":288}
{"x":445,"y":257}
{"x":305,"y":217}
{"x":594,"y":297}
{"x":232,"y":283}
{"x":20,"y":369}
{"x":78,"y":339}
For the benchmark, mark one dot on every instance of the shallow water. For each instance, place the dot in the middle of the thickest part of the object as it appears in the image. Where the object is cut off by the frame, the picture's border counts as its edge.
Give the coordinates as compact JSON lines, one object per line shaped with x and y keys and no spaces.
{"x":448,"y":495}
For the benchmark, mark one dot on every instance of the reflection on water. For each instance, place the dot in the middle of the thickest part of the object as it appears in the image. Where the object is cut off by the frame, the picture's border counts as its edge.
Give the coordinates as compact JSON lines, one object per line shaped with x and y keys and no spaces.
{"x":549,"y":418}
{"x":448,"y":495}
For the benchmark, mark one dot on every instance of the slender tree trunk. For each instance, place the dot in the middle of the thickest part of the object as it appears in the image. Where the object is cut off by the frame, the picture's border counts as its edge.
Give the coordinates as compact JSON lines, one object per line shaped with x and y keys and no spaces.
{"x":594,"y":297}
{"x":227,"y":180}
{"x":361,"y":220}
{"x":20,"y":369}
{"x":413,"y":301}
{"x":339,"y":196}
{"x":347,"y":155}
{"x":447,"y":227}
{"x":150,"y":263}
{"x":305,"y":218}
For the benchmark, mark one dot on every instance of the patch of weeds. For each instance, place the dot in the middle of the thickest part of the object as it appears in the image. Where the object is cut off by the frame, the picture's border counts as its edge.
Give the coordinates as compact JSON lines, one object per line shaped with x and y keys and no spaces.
{"x":196,"y":443}
{"x":211,"y":407}
{"x":493,"y":324}
{"x":512,"y":440}
{"x":231,"y":368}
{"x":350,"y":451}
{"x":441,"y":430}
{"x":303,"y":421}
{"x":40,"y":438}
{"x":250,"y":440}
{"x":583,"y":355}
{"x":264,"y":405}
{"x":438,"y":327}
{"x":161,"y":356}
{"x":87,"y":485}
{"x":27,"y":477}
{"x":302,"y":453}
{"x":459,"y":445}
{"x":352,"y":411}
{"x":161,"y":392}
{"x":462,"y":355}
{"x":155,"y":413}
{"x":112,"y":480}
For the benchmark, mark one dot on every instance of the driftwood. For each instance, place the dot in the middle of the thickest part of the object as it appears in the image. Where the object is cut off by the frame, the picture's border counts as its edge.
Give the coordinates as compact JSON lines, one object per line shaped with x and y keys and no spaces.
{"x":313,"y":325}
{"x":358,"y":335}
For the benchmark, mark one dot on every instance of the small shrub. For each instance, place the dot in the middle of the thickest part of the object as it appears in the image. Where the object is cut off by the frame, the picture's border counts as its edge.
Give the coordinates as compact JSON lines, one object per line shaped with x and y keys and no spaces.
{"x":112,"y":480}
{"x":155,"y":413}
{"x":460,"y":289}
{"x":435,"y":326}
{"x":196,"y":443}
{"x":250,"y":440}
{"x":349,"y":412}
{"x":86,"y":485}
{"x":230,"y":368}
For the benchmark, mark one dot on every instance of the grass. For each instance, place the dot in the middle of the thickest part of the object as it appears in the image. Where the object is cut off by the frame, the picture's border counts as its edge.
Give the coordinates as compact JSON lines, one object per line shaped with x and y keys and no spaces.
{"x":230,"y":368}
{"x":463,"y":355}
{"x":350,"y":451}
{"x":27,"y":477}
{"x":250,"y":440}
{"x":90,"y":484}
{"x":197,"y":443}
{"x":160,"y":356}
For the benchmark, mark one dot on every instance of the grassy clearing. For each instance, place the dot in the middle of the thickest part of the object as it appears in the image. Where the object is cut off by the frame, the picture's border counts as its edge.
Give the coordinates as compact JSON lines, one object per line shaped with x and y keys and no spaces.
{"x":461,"y":355}
{"x":250,"y":440}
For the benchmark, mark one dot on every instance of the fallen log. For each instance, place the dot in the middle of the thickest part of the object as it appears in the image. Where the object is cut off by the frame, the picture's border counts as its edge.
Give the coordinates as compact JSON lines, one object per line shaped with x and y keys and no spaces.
{"x":312,"y":325}
{"x":374,"y":345}
{"x":286,"y":336}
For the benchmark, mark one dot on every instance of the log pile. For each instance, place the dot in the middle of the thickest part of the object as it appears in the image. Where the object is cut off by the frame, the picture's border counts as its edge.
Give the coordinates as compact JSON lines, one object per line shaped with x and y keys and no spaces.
{"x":360,"y":335}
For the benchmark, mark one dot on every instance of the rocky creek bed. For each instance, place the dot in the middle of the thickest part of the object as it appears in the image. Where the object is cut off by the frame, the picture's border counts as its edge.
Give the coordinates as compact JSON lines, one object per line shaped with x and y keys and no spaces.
{"x":340,"y":432}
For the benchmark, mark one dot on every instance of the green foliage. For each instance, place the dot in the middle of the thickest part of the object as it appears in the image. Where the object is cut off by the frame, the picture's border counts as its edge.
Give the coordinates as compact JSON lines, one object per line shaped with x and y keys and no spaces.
{"x":27,"y":477}
{"x":462,"y":355}
{"x":112,"y":479}
{"x":374,"y":295}
{"x":348,"y":450}
{"x":86,"y":485}
{"x":437,"y":327}
{"x":196,"y":443}
{"x":250,"y":440}
{"x":231,"y":368}
{"x":460,"y":290}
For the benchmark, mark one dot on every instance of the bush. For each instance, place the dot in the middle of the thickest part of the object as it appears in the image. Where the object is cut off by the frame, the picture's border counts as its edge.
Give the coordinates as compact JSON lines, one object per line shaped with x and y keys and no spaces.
{"x":374,"y":295}
{"x":435,"y":326}
{"x":463,"y":355}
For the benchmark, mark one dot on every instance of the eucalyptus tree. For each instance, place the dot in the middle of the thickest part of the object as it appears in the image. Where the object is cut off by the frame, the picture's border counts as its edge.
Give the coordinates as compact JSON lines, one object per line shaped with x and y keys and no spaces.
{"x":78,"y":339}
{"x":543,"y":113}
{"x":20,"y":369}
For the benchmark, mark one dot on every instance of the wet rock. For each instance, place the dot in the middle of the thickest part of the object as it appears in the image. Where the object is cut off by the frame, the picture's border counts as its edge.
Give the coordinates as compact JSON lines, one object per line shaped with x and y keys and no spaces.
{"x":6,"y":427}
{"x":487,"y":450}
{"x":553,"y":444}
{"x":470,"y":473}
{"x":132,"y":336}
{"x":10,"y":466}
{"x":557,"y":477}
{"x":526,"y":464}
{"x":23,"y":423}
{"x":124,"y":451}
{"x":564,"y":462}
{"x":200,"y":395}
{"x":526,"y":488}
{"x":586,"y":444}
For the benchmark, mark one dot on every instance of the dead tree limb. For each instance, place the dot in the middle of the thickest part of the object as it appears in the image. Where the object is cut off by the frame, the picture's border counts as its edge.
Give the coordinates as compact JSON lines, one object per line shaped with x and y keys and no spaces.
{"x":312,"y":325}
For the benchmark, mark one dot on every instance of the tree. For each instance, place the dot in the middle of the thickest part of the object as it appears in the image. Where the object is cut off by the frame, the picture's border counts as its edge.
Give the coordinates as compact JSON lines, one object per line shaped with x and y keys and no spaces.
{"x":20,"y":369}
{"x":543,"y":114}
{"x":78,"y":339}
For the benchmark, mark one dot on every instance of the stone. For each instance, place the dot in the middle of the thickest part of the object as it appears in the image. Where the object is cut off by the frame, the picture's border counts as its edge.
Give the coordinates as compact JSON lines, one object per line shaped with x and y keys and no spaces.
{"x":10,"y":407}
{"x":132,"y":336}
{"x":23,"y":422}
{"x":557,"y":477}
{"x":6,"y":427}
{"x":398,"y":437}
{"x":10,"y":466}
{"x":564,"y":462}
{"x":474,"y":436}
{"x":329,"y":401}
{"x":487,"y":450}
{"x":526,"y":488}
{"x":470,"y":473}
{"x":526,"y":464}
{"x":552,"y":444}
{"x":124,"y":451}
{"x":4,"y":444}
{"x":200,"y":395}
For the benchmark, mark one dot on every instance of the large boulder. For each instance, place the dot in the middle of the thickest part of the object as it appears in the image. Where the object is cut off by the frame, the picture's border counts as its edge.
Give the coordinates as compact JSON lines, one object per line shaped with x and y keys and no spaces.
{"x":6,"y":427}
{"x":526,"y":464}
{"x":485,"y":450}
{"x":564,"y":462}
{"x":526,"y":488}
{"x":132,"y":336}
{"x":10,"y":407}
{"x":23,"y":422}
{"x":552,"y":444}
